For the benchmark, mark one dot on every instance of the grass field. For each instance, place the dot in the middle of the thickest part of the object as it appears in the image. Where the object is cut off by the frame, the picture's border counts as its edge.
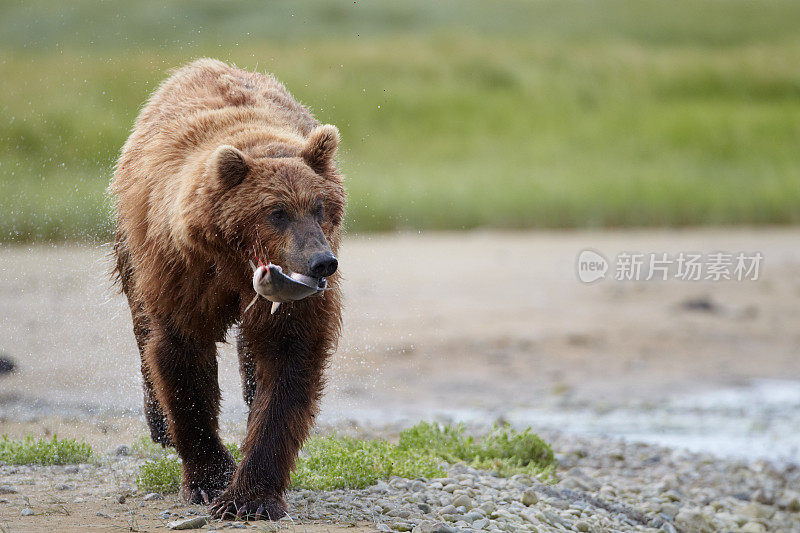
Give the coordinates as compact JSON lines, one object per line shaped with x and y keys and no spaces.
{"x":454,"y":115}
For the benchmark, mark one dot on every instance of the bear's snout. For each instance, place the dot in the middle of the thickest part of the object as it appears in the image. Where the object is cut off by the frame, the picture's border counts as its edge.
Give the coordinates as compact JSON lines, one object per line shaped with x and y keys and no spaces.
{"x":322,"y":264}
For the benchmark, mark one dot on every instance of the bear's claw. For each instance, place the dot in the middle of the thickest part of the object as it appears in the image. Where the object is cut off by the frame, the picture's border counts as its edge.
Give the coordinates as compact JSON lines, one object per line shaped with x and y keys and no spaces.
{"x":257,"y":509}
{"x":200,"y":496}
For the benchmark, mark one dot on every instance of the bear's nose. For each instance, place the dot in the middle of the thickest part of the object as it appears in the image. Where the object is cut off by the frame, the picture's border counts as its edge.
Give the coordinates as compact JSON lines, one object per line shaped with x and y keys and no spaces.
{"x":322,"y":264}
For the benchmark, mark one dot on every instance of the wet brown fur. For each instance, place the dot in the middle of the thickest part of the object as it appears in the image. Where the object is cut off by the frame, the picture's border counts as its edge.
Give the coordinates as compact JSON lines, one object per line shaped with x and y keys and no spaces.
{"x":213,"y":152}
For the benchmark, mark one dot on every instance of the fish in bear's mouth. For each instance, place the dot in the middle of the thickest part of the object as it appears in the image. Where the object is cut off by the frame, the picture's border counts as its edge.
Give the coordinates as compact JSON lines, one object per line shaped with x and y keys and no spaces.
{"x":270,"y":282}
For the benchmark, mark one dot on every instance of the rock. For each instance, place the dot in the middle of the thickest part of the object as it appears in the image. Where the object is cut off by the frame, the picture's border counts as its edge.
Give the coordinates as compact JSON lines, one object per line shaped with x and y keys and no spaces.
{"x":522,"y":479}
{"x":464,"y":500}
{"x":381,"y":487}
{"x":164,"y":514}
{"x":448,"y":509}
{"x":27,"y":512}
{"x":767,"y":497}
{"x":190,"y":523}
{"x":122,"y":498}
{"x":692,"y":520}
{"x":6,"y":489}
{"x":417,"y":486}
{"x":153,"y":496}
{"x":487,"y":507}
{"x":702,"y":304}
{"x":6,"y":364}
{"x":758,"y":511}
{"x":71,"y":469}
{"x":555,"y":519}
{"x":580,"y":525}
{"x":480,"y":524}
{"x":529,"y":497}
{"x":122,"y":451}
{"x":433,"y":527}
{"x":399,"y":483}
{"x":753,"y":527}
{"x":383,"y":527}
{"x":670,"y":510}
{"x":789,"y":500}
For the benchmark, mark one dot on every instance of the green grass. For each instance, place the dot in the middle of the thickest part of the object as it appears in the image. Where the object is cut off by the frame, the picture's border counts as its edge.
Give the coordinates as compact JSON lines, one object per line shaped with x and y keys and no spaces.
{"x":344,"y":463}
{"x":334,"y":462}
{"x":509,"y":114}
{"x":160,"y":474}
{"x":504,"y":450}
{"x":162,"y":471}
{"x":30,"y":451}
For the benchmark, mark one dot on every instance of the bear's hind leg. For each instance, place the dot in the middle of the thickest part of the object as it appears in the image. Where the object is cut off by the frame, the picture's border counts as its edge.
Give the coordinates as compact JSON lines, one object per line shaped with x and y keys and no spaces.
{"x":156,"y":420}
{"x":184,"y":378}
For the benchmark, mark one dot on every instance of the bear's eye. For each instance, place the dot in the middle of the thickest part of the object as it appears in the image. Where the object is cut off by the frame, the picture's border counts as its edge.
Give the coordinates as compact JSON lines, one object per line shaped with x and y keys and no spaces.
{"x":319,"y":211}
{"x":279,"y":217}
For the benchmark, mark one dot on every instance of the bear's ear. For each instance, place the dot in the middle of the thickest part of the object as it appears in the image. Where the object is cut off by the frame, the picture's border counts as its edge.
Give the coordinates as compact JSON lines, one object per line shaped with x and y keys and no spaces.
{"x":321,"y":148}
{"x":229,"y":164}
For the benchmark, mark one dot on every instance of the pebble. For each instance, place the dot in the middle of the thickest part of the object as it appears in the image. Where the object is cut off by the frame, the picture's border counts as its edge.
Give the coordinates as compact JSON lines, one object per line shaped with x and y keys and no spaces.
{"x":753,"y":527}
{"x":153,"y":496}
{"x":6,"y":489}
{"x":611,"y":489}
{"x":190,"y":523}
{"x":122,"y":451}
{"x":27,"y":512}
{"x":463,"y":500}
{"x":529,"y":497}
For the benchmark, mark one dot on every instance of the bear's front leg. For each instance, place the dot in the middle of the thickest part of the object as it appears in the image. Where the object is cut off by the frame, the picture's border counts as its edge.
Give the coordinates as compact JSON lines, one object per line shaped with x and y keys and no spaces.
{"x":289,"y":360}
{"x":184,"y":376}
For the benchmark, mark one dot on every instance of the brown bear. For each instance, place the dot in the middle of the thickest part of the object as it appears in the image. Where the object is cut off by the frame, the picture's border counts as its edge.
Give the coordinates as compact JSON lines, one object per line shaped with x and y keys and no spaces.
{"x":222,"y":162}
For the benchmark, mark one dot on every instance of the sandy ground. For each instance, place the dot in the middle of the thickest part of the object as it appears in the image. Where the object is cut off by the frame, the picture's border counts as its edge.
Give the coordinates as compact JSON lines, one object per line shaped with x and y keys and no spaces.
{"x":480,"y":322}
{"x":477,"y":320}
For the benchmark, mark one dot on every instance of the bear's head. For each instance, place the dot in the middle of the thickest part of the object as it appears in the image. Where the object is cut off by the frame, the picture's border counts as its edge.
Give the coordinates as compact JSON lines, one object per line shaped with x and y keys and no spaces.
{"x":284,"y":199}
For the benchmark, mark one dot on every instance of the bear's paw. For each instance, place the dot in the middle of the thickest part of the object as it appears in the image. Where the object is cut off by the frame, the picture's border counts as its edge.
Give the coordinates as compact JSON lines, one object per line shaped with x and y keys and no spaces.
{"x":228,"y":507}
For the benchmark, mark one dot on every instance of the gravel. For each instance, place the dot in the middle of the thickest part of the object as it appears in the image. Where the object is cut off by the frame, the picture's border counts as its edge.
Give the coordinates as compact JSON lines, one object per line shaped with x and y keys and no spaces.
{"x":601,"y":485}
